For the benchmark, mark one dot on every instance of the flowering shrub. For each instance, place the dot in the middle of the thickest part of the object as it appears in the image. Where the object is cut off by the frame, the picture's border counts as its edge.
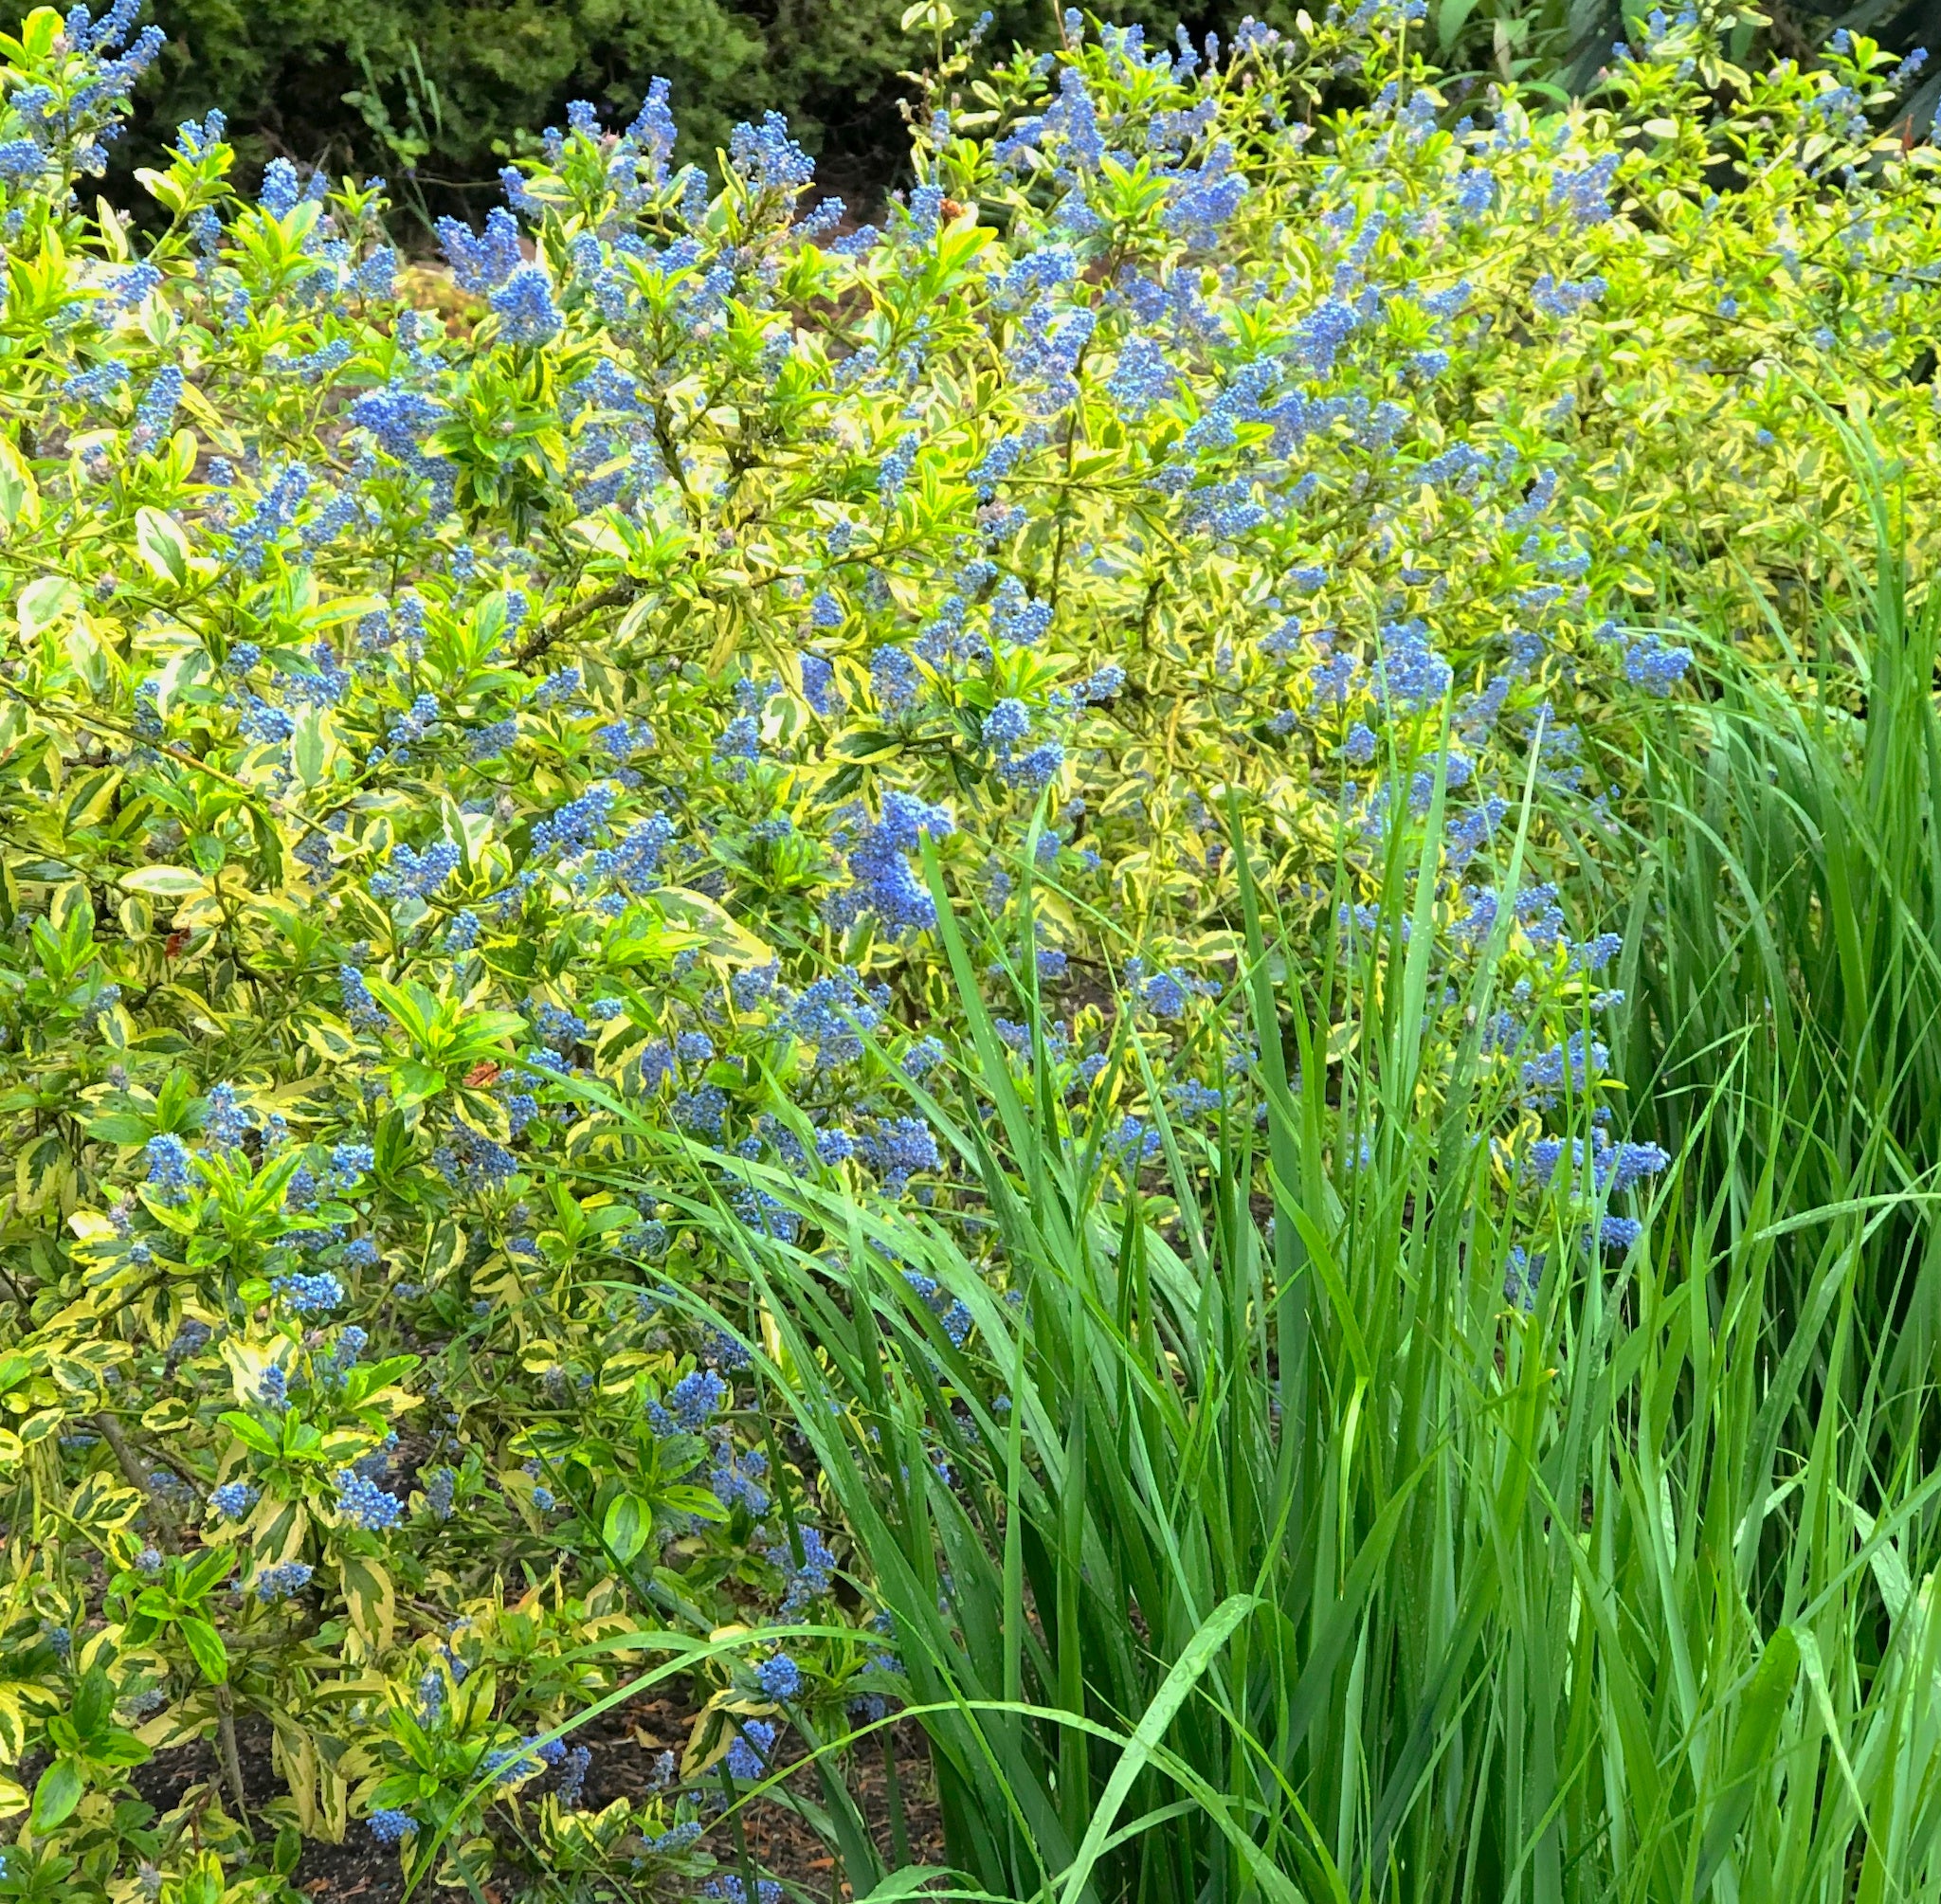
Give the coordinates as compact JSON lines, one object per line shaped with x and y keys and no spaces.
{"x":435,"y":750}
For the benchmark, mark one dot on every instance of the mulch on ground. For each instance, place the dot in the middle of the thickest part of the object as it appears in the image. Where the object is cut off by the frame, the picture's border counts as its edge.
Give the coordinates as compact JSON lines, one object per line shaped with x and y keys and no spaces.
{"x":625,"y":1743}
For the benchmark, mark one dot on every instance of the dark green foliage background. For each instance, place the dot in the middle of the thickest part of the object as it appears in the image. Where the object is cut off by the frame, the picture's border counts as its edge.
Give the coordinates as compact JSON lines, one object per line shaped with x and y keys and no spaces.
{"x":323,"y":80}
{"x":437,"y":94}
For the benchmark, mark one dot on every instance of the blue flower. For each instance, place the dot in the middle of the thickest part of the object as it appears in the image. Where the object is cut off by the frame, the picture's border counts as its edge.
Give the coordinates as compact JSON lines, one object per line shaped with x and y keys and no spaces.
{"x":309,"y":1294}
{"x":767,"y":159}
{"x":818,"y":677}
{"x":737,"y":1483}
{"x":96,"y":386}
{"x":1585,"y":195}
{"x":1569,"y":1064}
{"x":555,"y":1026}
{"x":893,"y":472}
{"x":21,"y":160}
{"x":729,"y":1887}
{"x":274,"y":515}
{"x":749,"y":1755}
{"x":696,"y":1398}
{"x":779,"y":1676}
{"x":811,"y":1577}
{"x":350,"y":1162}
{"x":832,"y":1014}
{"x":1556,"y":300}
{"x":740,"y":740}
{"x":398,"y":418}
{"x":572,"y":1778}
{"x":167,"y":1167}
{"x":1165,"y":994}
{"x":880,"y":866}
{"x":1140,"y":379}
{"x":894,"y":680}
{"x":156,"y":410}
{"x":391,"y":1826}
{"x":279,"y":1581}
{"x":1203,"y":201}
{"x":282,"y":189}
{"x":1037,"y":770}
{"x":1622,"y":1165}
{"x":527,"y":314}
{"x":478,"y":264}
{"x":1650,"y":664}
{"x":1006,"y":725}
{"x":900,"y":1148}
{"x":1410,"y":671}
{"x":366,"y":1504}
{"x":416,"y":875}
{"x":923,"y":1057}
{"x":223,"y":1119}
{"x":1522,"y":1279}
{"x":233,"y":1499}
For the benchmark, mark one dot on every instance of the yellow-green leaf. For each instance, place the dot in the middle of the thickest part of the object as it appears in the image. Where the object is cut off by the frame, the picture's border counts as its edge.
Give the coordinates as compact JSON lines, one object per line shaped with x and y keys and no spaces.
{"x":162,"y":543}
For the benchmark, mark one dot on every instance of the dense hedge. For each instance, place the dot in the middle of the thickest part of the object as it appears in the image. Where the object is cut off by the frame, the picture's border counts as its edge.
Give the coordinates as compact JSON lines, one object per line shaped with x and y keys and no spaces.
{"x":323,"y":80}
{"x":446,"y":86}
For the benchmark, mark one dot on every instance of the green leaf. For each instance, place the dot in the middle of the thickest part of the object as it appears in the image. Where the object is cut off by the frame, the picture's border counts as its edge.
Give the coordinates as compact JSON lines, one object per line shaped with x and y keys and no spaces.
{"x":367,"y":1378}
{"x":369,"y":1596}
{"x":161,"y":542}
{"x":700,"y":1501}
{"x":206,"y":1646}
{"x":310,"y":746}
{"x":413,"y":1083}
{"x":1200,"y":1651}
{"x":164,"y":882}
{"x":250,"y":1431}
{"x":93,"y":1699}
{"x":1760,"y":1712}
{"x":20,"y":495}
{"x":721,"y":937}
{"x":59,"y":1791}
{"x":43,"y":602}
{"x":907,"y":1882}
{"x":1451,"y":17}
{"x":626,"y":1527}
{"x":180,"y":675}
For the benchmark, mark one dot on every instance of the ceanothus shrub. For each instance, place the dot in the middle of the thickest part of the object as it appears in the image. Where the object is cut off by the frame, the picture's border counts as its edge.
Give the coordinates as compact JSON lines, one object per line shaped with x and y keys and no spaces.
{"x":436,"y":748}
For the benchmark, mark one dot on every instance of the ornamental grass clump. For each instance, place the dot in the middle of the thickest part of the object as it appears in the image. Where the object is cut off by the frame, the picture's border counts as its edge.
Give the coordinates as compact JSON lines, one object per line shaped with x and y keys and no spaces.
{"x":465,"y":770}
{"x":1394,"y":1531}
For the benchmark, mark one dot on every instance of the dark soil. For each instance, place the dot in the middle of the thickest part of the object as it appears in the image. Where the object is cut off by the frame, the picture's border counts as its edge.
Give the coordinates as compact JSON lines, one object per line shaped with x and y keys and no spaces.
{"x":625,"y":1744}
{"x":626,"y":1741}
{"x":359,"y":1867}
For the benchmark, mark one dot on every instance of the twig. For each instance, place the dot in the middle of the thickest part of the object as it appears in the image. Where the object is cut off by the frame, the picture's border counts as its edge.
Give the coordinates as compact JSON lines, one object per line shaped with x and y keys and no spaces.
{"x":134,"y":1467}
{"x":232,"y":1759}
{"x":569,"y":619}
{"x":169,"y":750}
